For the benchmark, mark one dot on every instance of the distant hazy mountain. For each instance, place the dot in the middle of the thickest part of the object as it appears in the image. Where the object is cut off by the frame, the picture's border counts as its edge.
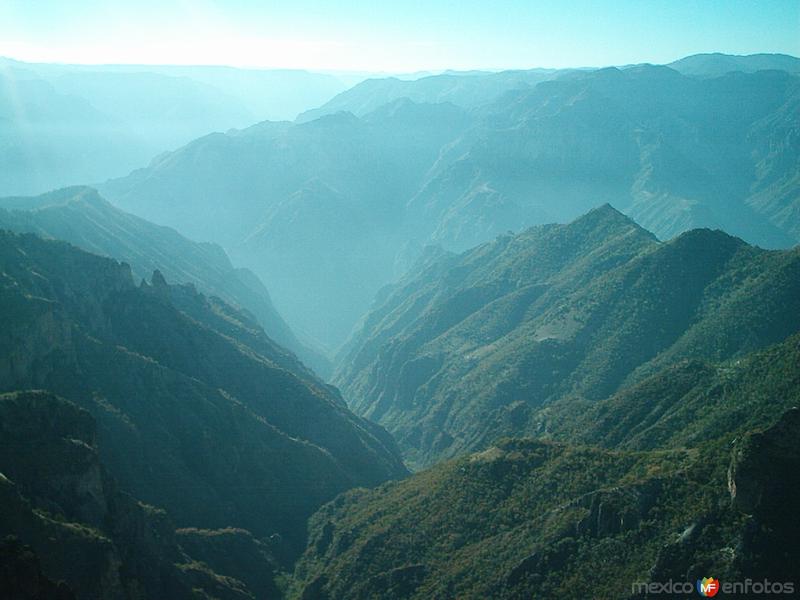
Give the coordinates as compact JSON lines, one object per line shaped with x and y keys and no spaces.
{"x":276,"y":94}
{"x":80,"y":216}
{"x":467,"y":90}
{"x":345,"y":195}
{"x":470,"y":347}
{"x":196,"y":410}
{"x":66,"y":124}
{"x":671,"y":151}
{"x":716,"y":64}
{"x":314,"y":209}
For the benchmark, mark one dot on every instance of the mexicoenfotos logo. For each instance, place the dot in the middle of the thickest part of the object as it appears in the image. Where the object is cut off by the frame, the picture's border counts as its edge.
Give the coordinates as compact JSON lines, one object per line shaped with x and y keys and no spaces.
{"x":708,"y":587}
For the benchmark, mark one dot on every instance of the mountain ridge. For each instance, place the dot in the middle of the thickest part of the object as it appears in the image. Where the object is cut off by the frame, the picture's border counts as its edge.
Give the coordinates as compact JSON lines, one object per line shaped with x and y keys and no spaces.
{"x":81,"y":216}
{"x":473,"y":346}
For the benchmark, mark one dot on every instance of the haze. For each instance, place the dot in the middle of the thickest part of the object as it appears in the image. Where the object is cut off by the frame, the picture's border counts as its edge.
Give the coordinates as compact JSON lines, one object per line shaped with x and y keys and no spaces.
{"x":392,"y":37}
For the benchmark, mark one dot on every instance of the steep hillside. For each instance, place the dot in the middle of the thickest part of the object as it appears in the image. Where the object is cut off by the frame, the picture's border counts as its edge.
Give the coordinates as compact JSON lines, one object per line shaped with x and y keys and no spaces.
{"x":471,"y":346}
{"x":196,"y":410}
{"x":684,"y":404}
{"x":82,"y":217}
{"x":527,"y":519}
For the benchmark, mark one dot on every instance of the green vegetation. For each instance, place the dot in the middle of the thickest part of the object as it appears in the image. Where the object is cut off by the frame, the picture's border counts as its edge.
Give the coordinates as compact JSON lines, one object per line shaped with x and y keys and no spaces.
{"x":472,"y":347}
{"x":528,"y":518}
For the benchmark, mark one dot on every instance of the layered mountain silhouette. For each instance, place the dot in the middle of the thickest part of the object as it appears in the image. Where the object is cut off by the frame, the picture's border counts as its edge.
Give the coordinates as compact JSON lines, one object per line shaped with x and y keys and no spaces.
{"x":197,"y":412}
{"x":313,"y":209}
{"x":568,"y":300}
{"x":716,"y":64}
{"x":82,"y":217}
{"x":75,"y":124}
{"x":471,"y":347}
{"x":364,"y":191}
{"x":470,"y":89}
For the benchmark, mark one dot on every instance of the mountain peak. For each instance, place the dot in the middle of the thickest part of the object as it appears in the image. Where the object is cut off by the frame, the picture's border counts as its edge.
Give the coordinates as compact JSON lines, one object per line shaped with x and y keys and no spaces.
{"x":157,"y":280}
{"x":605,"y":215}
{"x":60,"y":197}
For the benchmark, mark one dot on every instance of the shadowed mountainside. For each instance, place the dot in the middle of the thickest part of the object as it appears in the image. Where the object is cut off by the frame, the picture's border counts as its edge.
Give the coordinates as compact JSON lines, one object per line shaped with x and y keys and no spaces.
{"x":197,"y":411}
{"x":82,"y":217}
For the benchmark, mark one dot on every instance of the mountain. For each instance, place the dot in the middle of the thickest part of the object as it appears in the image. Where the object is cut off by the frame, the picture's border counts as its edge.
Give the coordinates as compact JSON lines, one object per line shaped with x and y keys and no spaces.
{"x":196,"y":411}
{"x":75,"y":124}
{"x":84,"y":537}
{"x":276,"y":94}
{"x":320,"y":199}
{"x":527,"y":518}
{"x":673,"y":152}
{"x":467,"y":90}
{"x":716,"y":64}
{"x":469,"y":347}
{"x":74,"y":128}
{"x":82,"y":217}
{"x":474,"y":89}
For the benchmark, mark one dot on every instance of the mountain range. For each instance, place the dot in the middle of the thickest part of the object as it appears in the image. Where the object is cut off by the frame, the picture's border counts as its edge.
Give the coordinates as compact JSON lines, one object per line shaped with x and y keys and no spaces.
{"x":365,"y":192}
{"x":531,"y":518}
{"x":716,"y":64}
{"x":541,"y":336}
{"x":321,"y":199}
{"x":611,"y":400}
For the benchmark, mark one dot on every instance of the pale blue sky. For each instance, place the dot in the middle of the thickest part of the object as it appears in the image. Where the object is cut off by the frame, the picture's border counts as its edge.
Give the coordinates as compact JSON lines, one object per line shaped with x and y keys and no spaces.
{"x":393,"y":36}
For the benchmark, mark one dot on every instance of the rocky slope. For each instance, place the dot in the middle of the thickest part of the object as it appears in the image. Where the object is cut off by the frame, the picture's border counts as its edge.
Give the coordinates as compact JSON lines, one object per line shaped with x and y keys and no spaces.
{"x":673,"y":152}
{"x":196,"y":410}
{"x":470,"y":347}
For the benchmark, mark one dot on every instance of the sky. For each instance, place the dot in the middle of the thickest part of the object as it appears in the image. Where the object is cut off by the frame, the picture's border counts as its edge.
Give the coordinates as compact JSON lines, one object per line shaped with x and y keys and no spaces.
{"x":399,"y":36}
